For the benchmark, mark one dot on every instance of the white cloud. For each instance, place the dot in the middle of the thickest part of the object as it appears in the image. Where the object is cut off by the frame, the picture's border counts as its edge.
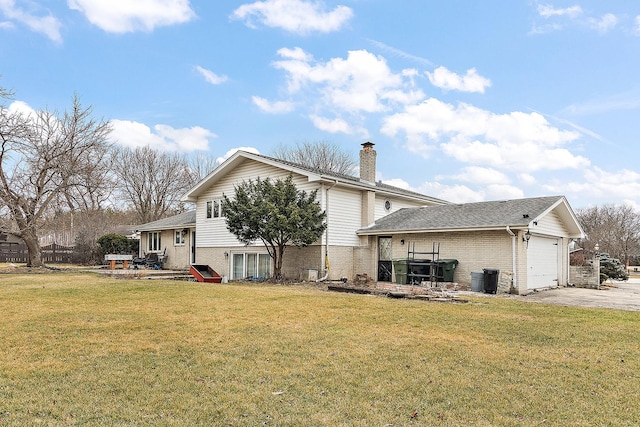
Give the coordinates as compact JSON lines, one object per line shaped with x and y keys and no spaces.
{"x":527,"y":179}
{"x":210,"y":76}
{"x":277,"y":107}
{"x":124,"y":16}
{"x":22,"y":108}
{"x":636,"y":29}
{"x":547,"y":11}
{"x":162,"y":137}
{"x":234,"y":150}
{"x":480,"y":175}
{"x":451,"y":193}
{"x":516,"y":141}
{"x":601,"y":185}
{"x":360,"y":83}
{"x":398,"y":182}
{"x":33,"y":18}
{"x":607,"y":22}
{"x":330,"y":125}
{"x":344,"y":88}
{"x":502,"y":192}
{"x":448,"y":80}
{"x":572,"y":17}
{"x":296,"y":16}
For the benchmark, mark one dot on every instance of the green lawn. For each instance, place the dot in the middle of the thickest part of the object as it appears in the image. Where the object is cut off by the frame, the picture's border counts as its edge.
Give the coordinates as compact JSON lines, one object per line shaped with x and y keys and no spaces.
{"x":77,"y":349}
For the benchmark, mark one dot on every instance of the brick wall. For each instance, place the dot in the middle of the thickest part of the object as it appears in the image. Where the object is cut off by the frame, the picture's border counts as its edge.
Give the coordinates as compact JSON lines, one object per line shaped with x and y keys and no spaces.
{"x":473,"y":250}
{"x":585,"y":276}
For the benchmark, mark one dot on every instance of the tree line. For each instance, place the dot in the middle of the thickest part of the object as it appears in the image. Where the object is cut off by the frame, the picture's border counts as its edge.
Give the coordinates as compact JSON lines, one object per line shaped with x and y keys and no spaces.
{"x":615,"y":229}
{"x":59,"y":170}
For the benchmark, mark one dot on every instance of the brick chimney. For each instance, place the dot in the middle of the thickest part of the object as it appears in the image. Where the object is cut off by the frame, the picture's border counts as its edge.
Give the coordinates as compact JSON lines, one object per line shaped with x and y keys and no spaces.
{"x":368,"y":162}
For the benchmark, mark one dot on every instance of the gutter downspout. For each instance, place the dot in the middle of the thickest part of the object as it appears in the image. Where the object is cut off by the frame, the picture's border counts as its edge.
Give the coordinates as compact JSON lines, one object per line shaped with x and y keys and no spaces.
{"x":568,"y":261}
{"x":326,"y":238}
{"x":513,"y":258}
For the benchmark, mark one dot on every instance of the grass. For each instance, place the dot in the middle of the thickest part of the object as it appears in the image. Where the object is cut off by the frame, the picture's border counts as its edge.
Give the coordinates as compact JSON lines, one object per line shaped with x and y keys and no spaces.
{"x":77,"y":349}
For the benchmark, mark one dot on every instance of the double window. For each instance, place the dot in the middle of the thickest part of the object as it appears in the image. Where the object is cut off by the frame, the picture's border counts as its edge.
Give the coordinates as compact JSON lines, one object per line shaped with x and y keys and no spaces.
{"x":154,"y":242}
{"x":180,"y":236}
{"x":251,"y":265}
{"x":215,"y":209}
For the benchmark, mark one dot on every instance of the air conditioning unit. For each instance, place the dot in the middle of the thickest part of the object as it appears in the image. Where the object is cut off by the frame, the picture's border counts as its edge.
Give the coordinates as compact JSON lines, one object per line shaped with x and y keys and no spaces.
{"x":309,"y":275}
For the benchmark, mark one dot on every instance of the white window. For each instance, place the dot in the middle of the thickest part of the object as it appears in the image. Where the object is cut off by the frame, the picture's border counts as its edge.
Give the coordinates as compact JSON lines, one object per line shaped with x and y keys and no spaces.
{"x":154,"y":242}
{"x":180,"y":236}
{"x":215,"y":209}
{"x":209,"y":209}
{"x":251,"y":265}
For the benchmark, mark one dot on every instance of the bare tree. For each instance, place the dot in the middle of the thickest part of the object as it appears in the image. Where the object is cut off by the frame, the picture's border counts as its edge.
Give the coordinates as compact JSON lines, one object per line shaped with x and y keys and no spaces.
{"x":41,"y":157}
{"x":199,"y":166}
{"x":93,"y":183}
{"x":318,"y":155}
{"x":151,"y":181}
{"x":615,"y":228}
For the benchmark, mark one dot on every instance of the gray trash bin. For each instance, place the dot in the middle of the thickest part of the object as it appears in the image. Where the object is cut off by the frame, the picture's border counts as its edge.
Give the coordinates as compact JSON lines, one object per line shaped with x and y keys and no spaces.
{"x":477,"y":281}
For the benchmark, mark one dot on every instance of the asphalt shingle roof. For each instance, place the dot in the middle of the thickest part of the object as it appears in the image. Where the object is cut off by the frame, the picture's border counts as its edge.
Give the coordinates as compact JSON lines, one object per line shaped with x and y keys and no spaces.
{"x":351,"y":178}
{"x":501,"y":213}
{"x":184,"y":219}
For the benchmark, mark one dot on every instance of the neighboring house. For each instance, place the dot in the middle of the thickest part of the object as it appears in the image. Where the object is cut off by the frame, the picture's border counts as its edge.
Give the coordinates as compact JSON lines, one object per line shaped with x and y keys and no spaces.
{"x":527,"y":238}
{"x":351,"y":203}
{"x":12,"y":247}
{"x":369,"y":224}
{"x":173,"y":237}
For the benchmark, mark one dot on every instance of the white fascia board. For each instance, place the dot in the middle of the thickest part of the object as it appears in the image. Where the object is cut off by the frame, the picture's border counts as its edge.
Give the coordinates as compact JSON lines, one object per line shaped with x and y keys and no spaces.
{"x":365,"y":232}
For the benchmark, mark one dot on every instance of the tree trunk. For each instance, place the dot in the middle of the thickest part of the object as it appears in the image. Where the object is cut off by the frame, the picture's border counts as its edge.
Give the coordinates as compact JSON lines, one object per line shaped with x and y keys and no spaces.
{"x":34,"y":258}
{"x":277,"y":262}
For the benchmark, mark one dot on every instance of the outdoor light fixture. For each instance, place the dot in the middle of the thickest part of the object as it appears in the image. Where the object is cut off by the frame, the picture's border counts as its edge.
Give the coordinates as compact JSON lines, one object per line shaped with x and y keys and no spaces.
{"x":526,"y":236}
{"x":226,"y":254}
{"x":402,"y":241}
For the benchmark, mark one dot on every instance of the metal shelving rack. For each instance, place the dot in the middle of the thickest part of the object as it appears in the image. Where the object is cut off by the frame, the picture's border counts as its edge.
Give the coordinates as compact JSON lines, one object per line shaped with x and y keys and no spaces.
{"x":431,"y":264}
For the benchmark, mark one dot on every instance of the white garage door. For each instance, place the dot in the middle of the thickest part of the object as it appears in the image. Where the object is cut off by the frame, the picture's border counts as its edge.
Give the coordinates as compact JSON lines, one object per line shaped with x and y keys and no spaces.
{"x":542,"y":262}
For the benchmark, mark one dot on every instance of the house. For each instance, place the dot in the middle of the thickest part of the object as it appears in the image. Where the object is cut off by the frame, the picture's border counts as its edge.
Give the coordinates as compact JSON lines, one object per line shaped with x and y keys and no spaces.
{"x":350,"y":203}
{"x":528,"y":239}
{"x":369,"y":224}
{"x":12,"y":247}
{"x":173,"y":237}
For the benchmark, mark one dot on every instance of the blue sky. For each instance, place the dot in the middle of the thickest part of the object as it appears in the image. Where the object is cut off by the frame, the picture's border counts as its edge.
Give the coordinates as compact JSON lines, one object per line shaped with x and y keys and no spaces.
{"x":466,"y":101}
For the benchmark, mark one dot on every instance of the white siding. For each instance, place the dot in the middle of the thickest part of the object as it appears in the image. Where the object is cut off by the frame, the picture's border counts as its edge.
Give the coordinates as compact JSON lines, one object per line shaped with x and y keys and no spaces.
{"x":212,"y":232}
{"x":550,"y":225}
{"x":345,"y":215}
{"x":396,"y":204}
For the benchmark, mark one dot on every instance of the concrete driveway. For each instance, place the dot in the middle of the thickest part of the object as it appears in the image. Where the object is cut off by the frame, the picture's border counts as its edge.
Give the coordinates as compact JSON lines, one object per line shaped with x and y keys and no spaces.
{"x":623,"y":296}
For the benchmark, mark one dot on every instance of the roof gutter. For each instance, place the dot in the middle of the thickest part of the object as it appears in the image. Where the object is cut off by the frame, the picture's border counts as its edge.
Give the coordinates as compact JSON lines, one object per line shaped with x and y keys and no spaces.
{"x":368,"y":232}
{"x":514,"y":283}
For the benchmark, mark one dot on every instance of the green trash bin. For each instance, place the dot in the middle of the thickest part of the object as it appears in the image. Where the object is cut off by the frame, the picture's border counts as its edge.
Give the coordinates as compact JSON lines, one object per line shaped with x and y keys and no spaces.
{"x":445,"y":269}
{"x":400,"y":270}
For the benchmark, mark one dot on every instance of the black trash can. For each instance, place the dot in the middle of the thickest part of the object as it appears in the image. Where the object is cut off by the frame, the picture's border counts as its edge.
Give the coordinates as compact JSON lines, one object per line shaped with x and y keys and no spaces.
{"x":490,"y":282}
